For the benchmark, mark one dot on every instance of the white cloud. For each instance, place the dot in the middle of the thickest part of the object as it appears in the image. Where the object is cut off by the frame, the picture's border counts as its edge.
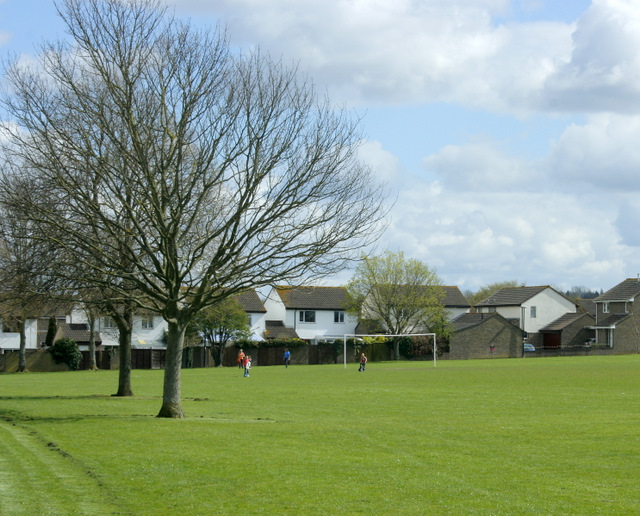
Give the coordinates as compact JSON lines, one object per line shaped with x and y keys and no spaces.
{"x":479,"y":166}
{"x":383,"y":163}
{"x":600,"y":155}
{"x":479,"y":237}
{"x":403,"y":51}
{"x":603,"y":72}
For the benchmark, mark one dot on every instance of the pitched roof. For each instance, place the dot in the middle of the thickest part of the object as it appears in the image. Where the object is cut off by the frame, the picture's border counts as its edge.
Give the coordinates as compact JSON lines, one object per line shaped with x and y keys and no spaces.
{"x":453,"y":298}
{"x":511,"y":296}
{"x":611,"y":321}
{"x":587,"y":305}
{"x":563,"y":321}
{"x":465,"y":321}
{"x":250,"y":302}
{"x":313,"y":298}
{"x":277,"y":330}
{"x":78,"y":332}
{"x":625,"y":291}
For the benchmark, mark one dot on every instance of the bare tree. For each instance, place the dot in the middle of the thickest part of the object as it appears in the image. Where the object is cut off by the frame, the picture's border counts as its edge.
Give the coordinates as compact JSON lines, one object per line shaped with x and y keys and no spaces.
{"x":397,"y":294}
{"x":182,"y":174}
{"x":25,"y":287}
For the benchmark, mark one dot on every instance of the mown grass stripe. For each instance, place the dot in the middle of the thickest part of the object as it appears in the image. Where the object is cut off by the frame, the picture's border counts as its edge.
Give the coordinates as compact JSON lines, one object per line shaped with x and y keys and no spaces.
{"x":37,"y":478}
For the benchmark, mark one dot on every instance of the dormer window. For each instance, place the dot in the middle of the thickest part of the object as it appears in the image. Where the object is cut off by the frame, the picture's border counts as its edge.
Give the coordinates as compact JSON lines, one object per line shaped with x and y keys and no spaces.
{"x":605,"y":308}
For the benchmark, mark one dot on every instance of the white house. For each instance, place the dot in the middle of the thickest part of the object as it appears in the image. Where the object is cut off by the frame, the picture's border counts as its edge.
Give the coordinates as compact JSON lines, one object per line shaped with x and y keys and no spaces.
{"x":148,"y":329}
{"x":455,"y":304}
{"x":309,"y":313}
{"x":10,"y":340}
{"x":256,"y":312}
{"x":532,"y":308}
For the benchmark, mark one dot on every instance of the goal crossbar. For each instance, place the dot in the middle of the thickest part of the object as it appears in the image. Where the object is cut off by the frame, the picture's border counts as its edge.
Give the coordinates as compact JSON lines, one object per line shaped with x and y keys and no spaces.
{"x":356,"y":335}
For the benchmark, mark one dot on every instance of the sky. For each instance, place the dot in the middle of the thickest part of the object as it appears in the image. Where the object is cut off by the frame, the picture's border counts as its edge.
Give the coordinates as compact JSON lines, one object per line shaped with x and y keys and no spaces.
{"x":507,"y":131}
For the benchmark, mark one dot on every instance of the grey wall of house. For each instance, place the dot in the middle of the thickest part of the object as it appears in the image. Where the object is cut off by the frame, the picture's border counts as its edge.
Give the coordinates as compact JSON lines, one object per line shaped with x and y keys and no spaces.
{"x":577,"y":333}
{"x":477,"y":341}
{"x":626,"y":336}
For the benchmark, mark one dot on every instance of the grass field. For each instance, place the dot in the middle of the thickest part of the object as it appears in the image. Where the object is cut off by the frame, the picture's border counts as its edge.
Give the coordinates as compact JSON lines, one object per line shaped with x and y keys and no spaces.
{"x":532,"y":436}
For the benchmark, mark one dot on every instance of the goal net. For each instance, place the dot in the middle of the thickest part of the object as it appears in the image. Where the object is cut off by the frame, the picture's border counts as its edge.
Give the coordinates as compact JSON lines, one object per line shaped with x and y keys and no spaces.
{"x":362,"y":335}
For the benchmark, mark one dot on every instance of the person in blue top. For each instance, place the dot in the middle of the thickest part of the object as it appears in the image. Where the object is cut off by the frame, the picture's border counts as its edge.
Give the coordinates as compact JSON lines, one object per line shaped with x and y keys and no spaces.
{"x":287,"y":357}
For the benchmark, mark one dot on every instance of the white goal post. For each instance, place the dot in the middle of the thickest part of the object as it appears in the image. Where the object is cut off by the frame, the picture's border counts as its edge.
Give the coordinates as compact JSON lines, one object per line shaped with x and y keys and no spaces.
{"x":356,"y":335}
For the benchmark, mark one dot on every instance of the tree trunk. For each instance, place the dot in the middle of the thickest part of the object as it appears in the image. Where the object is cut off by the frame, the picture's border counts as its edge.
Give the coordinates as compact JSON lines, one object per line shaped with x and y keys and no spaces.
{"x":93,"y":366}
{"x":124,"y":340}
{"x":396,"y":348}
{"x":171,"y":397}
{"x":22,"y":355}
{"x":218,"y":354}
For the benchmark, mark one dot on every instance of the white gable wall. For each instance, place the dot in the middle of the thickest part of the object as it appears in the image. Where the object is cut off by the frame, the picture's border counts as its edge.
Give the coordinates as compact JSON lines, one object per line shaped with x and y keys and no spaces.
{"x":274,"y":307}
{"x":550,"y":305}
{"x":454,"y":313}
{"x":10,"y":341}
{"x":257,"y":322}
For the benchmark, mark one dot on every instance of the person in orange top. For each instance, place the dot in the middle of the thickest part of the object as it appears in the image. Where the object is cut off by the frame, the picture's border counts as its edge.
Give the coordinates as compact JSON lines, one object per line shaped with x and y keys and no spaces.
{"x":241,"y":359}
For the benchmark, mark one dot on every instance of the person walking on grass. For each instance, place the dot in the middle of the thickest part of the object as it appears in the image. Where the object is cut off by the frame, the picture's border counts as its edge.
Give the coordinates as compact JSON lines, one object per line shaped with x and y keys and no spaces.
{"x":247,"y":365}
{"x":363,"y":362}
{"x":287,"y":357}
{"x":240,"y":359}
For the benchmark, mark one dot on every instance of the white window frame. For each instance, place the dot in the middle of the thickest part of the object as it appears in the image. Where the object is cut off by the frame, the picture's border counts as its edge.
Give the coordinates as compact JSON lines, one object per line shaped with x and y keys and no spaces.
{"x":338,"y":316}
{"x":605,"y":307}
{"x":146,"y":322}
{"x":109,"y":323}
{"x":533,"y":312}
{"x":307,"y":316}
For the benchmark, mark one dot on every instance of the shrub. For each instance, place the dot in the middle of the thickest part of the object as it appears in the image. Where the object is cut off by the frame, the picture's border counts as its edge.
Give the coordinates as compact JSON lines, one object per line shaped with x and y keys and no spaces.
{"x":65,"y":351}
{"x":269,"y":343}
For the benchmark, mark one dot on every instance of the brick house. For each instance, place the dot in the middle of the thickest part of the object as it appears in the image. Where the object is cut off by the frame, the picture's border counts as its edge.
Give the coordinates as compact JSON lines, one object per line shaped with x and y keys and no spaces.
{"x":485,"y":335}
{"x":530,"y":308}
{"x":617,"y":325}
{"x":572,"y":330}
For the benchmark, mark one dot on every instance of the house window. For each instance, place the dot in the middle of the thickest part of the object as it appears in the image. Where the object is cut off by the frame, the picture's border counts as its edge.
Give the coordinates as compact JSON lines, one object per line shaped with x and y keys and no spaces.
{"x":605,"y":308}
{"x":109,"y":322}
{"x":308,"y":316}
{"x":147,"y":322}
{"x":626,"y":307}
{"x":533,"y":312}
{"x":492,"y":309}
{"x":338,"y":316}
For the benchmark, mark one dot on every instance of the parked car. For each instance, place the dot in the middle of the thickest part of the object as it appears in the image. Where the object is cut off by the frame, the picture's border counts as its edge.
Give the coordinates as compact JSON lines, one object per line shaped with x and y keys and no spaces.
{"x":589,"y":343}
{"x":529,"y":347}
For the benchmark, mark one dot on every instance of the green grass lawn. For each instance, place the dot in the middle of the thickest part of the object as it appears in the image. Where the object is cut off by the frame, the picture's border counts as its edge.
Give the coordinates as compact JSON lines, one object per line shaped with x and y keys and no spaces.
{"x":532,"y":436}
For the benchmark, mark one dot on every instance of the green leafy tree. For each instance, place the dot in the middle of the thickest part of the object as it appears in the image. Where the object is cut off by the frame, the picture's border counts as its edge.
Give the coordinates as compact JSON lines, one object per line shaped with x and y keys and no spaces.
{"x":491,"y":288}
{"x":221,"y":323}
{"x":52,"y":329}
{"x":399,"y":294}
